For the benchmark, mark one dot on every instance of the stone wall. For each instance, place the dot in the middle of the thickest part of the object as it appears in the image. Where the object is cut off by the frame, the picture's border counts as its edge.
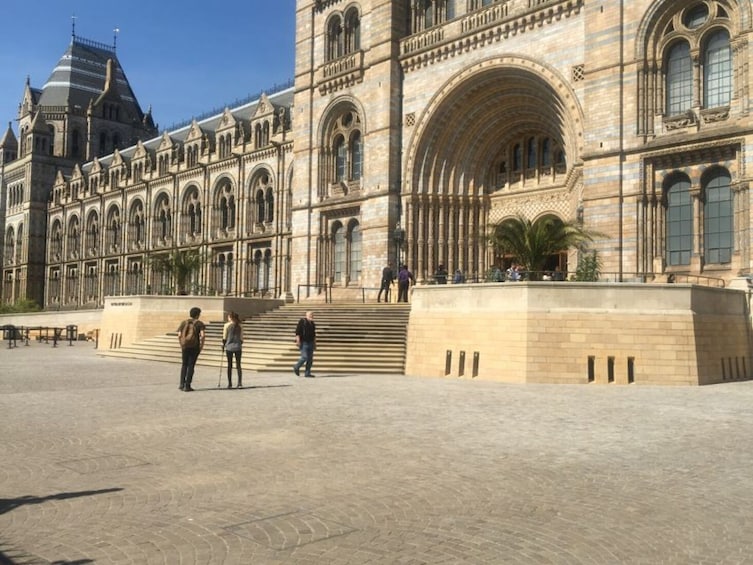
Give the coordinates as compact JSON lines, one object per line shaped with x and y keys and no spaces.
{"x":580,"y":333}
{"x":127,"y":319}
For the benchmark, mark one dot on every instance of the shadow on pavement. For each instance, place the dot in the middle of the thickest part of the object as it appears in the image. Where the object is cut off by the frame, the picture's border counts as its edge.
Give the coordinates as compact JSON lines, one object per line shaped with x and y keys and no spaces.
{"x":8,"y":504}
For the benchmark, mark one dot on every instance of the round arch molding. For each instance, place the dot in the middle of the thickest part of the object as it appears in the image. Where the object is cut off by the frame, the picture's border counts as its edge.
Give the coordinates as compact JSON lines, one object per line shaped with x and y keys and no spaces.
{"x":458,"y":140}
{"x":486,"y":104}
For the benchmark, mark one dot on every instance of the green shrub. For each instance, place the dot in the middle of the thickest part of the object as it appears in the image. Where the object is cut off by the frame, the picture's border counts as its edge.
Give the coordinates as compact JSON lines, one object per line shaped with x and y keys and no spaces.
{"x":589,"y":267}
{"x":19,"y":307}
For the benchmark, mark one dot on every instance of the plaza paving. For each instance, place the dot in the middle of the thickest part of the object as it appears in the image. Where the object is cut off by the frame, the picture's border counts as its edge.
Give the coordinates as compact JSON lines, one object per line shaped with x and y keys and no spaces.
{"x":106,"y":461}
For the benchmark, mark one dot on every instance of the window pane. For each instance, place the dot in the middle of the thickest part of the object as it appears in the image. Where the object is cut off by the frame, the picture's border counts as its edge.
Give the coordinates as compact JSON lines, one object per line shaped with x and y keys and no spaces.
{"x":717,"y":72}
{"x":717,"y":227}
{"x":340,"y":159}
{"x":679,"y":79}
{"x":339,"y":253}
{"x":679,"y":223}
{"x":357,"y":156}
{"x":355,"y":254}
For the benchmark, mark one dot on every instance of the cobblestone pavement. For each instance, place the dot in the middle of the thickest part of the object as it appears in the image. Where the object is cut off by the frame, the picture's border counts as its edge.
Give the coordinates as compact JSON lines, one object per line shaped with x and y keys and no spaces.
{"x":106,"y":461}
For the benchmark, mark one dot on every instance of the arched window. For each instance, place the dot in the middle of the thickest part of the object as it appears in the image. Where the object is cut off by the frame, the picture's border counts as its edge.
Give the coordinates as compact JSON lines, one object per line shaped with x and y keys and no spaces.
{"x":112,"y":227}
{"x":346,"y":155}
{"x":341,"y":158}
{"x":57,"y":241}
{"x":335,"y":39}
{"x":270,"y":197}
{"x":679,"y":77}
{"x":356,"y":156}
{"x":717,"y":218}
{"x":231,"y":212}
{"x":679,"y":221}
{"x":717,"y":71}
{"x":136,"y":219}
{"x":531,"y":157}
{"x":517,"y":157}
{"x":338,"y":238}
{"x":10,"y":246}
{"x":74,"y":238}
{"x":546,"y":152}
{"x":355,"y":253}
{"x":352,"y":31}
{"x":162,"y":223}
{"x":260,"y":206}
{"x":20,"y":244}
{"x":92,"y":234}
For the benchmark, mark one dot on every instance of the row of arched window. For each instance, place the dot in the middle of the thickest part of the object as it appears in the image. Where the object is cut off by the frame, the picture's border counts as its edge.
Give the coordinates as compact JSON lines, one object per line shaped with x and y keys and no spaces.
{"x":261,"y":207}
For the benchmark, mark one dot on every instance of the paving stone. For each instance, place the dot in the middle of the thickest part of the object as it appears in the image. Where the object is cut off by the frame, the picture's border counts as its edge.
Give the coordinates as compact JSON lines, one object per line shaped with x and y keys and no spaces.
{"x":105,"y":461}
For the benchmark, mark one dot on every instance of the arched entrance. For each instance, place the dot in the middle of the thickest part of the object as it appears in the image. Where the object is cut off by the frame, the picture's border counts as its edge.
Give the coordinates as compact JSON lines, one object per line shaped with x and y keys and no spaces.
{"x":498,"y":139}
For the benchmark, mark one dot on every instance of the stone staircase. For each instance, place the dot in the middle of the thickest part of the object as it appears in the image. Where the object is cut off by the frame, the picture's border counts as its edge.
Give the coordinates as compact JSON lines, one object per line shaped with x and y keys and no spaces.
{"x":351,"y":338}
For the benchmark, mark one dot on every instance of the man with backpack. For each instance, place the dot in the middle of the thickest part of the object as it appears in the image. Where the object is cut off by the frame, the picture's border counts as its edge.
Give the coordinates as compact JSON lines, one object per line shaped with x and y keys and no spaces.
{"x":191,"y":335}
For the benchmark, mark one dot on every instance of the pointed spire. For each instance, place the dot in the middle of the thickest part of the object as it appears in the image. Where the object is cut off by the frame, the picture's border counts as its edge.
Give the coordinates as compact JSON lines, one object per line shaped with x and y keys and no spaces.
{"x":9,"y":140}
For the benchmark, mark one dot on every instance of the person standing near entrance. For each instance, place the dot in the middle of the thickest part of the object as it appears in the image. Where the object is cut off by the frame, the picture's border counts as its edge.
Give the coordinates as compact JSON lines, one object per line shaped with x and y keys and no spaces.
{"x":305,"y":339}
{"x":191,"y":335}
{"x":404,"y":279}
{"x":232,"y":342}
{"x":388,"y":275}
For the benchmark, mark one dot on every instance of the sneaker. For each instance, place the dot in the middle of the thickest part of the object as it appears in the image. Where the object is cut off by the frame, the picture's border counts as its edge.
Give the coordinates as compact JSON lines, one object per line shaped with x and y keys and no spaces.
{"x":181,"y":387}
{"x":310,"y":376}
{"x":297,"y":371}
{"x":188,"y":389}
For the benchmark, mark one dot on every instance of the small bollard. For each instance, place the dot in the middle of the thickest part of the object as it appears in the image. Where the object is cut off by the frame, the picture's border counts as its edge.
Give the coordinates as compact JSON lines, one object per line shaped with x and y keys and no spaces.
{"x":461,"y":364}
{"x":448,"y":362}
{"x":474,"y":374}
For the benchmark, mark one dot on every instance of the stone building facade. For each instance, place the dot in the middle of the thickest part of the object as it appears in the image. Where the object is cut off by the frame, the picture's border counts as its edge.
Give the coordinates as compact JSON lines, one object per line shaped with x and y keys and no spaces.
{"x":413,"y":127}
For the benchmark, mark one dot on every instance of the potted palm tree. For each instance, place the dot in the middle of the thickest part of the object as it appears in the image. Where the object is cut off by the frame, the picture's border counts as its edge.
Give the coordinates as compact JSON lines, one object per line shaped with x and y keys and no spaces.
{"x":180,"y":264}
{"x":531,"y":243}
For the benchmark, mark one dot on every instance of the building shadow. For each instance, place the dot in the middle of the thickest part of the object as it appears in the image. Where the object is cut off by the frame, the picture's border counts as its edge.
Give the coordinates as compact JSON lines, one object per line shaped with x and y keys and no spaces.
{"x":8,"y":504}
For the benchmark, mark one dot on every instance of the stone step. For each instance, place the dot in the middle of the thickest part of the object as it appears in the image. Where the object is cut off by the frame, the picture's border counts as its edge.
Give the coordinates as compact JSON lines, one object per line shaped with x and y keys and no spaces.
{"x":350,"y":338}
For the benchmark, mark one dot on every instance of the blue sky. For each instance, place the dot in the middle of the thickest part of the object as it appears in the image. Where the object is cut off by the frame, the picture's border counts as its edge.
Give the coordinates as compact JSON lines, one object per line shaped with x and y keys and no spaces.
{"x":182,"y":58}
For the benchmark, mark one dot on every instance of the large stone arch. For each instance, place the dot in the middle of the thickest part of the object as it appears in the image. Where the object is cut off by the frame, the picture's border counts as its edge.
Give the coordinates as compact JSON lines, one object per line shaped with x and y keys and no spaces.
{"x":479,"y":111}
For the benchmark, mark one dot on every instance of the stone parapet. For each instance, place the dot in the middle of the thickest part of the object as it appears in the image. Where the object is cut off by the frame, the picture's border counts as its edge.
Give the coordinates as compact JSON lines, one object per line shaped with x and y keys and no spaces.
{"x":580,"y":332}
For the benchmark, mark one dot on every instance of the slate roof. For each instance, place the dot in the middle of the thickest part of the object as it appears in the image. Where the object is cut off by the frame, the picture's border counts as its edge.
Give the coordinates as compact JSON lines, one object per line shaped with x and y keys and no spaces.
{"x":79,"y":77}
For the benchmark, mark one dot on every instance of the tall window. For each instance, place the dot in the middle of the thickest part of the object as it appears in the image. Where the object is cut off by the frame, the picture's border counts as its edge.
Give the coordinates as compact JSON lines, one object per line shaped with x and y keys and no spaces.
{"x":356,"y":151}
{"x":679,"y":79}
{"x":679,"y":222}
{"x":341,"y":158}
{"x":270,"y":197}
{"x":717,"y":219}
{"x":335,"y":38}
{"x":355,"y":253}
{"x":717,"y":71}
{"x":339,"y":252}
{"x":352,"y":31}
{"x":347,"y":153}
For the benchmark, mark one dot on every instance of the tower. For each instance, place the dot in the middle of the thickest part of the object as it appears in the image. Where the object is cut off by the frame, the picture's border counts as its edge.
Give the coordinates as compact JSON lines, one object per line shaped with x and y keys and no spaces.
{"x":85,"y":109}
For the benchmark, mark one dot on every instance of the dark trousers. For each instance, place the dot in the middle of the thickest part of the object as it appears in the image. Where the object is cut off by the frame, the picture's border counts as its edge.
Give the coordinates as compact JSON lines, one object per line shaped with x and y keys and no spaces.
{"x":386,"y":290}
{"x":402,"y":291}
{"x":237,"y":355}
{"x":190,"y":355}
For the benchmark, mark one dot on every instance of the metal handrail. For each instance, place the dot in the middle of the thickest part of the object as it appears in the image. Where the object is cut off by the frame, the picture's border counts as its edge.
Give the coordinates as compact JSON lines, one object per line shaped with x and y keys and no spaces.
{"x":325,"y":287}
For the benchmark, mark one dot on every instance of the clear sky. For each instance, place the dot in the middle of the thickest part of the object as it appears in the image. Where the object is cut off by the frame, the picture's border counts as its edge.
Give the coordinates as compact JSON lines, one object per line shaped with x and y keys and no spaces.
{"x":183,"y":58}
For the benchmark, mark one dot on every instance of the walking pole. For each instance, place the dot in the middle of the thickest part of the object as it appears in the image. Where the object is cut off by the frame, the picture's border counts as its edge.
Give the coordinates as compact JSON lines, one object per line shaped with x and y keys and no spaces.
{"x":219,"y":378}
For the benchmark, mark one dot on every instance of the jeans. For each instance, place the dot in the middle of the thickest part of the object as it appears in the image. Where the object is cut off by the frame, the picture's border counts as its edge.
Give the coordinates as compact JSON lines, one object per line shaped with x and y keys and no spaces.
{"x":307,"y":357}
{"x":190,"y":356}
{"x":237,"y":355}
